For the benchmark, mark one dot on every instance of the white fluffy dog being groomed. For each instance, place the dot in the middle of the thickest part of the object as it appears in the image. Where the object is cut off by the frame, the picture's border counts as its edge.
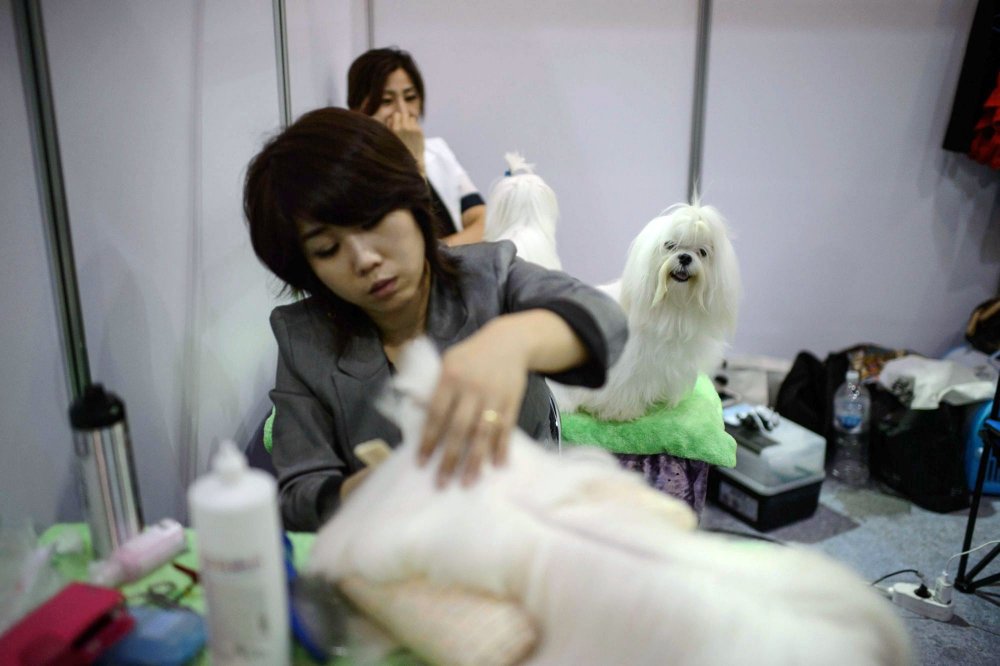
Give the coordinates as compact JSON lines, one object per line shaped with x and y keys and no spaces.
{"x":680,"y":289}
{"x":576,"y":561}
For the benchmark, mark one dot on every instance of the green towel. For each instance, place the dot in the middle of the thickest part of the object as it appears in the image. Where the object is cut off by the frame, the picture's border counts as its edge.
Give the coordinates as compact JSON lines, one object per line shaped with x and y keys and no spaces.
{"x":269,"y":430}
{"x":693,"y":429}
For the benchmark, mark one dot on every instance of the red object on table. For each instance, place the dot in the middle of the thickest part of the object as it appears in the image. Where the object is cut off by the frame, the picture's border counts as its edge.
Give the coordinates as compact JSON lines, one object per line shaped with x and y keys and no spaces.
{"x":72,"y":628}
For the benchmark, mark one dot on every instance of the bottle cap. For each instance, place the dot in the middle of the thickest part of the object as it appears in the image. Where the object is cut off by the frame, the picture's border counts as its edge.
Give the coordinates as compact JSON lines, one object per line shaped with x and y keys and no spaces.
{"x":96,"y":408}
{"x":229,"y":462}
{"x":853,"y":376}
{"x":106,"y":573}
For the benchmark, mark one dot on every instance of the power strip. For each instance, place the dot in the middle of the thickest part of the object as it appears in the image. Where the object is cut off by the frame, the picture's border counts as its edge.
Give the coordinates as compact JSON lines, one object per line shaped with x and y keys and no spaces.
{"x":905,"y":595}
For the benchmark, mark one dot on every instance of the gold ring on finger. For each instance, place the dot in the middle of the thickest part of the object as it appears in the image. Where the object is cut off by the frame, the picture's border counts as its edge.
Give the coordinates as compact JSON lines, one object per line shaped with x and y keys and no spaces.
{"x":491,"y":416}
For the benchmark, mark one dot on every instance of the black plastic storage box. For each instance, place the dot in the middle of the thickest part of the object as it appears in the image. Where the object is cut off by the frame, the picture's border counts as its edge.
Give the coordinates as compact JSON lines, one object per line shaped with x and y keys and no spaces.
{"x":778,"y":472}
{"x":764,"y":507}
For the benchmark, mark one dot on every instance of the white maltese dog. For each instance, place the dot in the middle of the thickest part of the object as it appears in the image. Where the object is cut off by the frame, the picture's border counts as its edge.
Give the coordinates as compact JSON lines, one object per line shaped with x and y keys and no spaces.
{"x":522,"y":208}
{"x":588,"y":564}
{"x":680,"y":290}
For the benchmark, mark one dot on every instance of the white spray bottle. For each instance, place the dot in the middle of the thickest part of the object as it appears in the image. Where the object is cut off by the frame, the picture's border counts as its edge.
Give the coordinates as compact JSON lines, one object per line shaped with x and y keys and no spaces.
{"x":234,"y":512}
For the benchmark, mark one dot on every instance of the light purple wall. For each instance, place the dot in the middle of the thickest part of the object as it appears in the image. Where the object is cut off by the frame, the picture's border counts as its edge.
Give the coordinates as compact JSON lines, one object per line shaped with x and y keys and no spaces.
{"x":822,"y":146}
{"x":597,"y":95}
{"x":36,"y":447}
{"x":823,"y":135}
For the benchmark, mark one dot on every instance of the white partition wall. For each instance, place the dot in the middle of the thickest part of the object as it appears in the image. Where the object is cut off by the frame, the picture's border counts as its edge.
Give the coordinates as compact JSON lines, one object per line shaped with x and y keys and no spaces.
{"x":596,"y":94}
{"x":323,"y":38}
{"x":159,"y":108}
{"x":36,"y":448}
{"x":823,"y":146}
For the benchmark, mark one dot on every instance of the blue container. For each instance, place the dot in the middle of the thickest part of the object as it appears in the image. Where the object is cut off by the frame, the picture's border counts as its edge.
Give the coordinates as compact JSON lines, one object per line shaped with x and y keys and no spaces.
{"x":974,"y":450}
{"x":161,"y":637}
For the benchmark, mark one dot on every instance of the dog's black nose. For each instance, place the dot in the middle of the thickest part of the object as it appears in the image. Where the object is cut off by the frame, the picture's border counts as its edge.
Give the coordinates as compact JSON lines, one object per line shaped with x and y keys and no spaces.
{"x":685,"y":259}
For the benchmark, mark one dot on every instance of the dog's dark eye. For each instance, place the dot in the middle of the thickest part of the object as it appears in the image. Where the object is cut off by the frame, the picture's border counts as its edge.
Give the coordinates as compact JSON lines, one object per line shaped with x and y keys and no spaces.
{"x":670,"y":245}
{"x":703,"y":252}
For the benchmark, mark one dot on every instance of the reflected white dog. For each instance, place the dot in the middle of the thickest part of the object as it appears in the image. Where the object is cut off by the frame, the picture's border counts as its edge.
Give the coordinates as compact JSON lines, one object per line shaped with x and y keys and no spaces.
{"x":523,"y":209}
{"x":680,"y":290}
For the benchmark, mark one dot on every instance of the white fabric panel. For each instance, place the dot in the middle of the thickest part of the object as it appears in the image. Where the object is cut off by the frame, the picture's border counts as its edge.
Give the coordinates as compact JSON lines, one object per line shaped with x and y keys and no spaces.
{"x":823,"y":147}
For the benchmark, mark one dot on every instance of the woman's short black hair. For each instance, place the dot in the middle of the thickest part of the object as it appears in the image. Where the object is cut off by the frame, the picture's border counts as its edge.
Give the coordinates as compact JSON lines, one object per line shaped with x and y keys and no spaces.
{"x":368,"y":73}
{"x":337,"y":167}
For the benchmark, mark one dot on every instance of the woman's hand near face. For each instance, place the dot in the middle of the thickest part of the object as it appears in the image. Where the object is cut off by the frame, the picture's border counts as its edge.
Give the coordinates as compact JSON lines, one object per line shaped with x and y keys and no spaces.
{"x":407,"y":128}
{"x":483,"y":379}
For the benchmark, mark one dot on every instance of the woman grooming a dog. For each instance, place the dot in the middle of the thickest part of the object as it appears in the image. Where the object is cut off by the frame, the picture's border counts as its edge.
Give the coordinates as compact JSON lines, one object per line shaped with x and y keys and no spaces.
{"x":339,"y":211}
{"x":386,"y":85}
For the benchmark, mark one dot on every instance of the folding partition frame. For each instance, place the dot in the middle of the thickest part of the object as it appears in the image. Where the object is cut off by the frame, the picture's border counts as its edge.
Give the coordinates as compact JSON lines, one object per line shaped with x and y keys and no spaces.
{"x":37,"y":84}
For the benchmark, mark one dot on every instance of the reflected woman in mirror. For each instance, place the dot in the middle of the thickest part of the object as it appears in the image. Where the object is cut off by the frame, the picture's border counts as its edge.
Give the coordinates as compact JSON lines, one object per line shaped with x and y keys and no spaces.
{"x":386,"y":85}
{"x":338,"y":210}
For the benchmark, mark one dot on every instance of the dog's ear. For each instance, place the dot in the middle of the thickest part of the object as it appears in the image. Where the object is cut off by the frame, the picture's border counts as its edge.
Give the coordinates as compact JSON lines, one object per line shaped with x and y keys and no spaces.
{"x":724,"y":297}
{"x":639,"y":279}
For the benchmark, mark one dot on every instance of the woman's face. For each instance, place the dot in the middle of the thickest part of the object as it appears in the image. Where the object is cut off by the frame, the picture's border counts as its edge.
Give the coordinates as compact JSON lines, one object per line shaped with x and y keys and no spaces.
{"x":400,"y":95}
{"x":378,"y":267}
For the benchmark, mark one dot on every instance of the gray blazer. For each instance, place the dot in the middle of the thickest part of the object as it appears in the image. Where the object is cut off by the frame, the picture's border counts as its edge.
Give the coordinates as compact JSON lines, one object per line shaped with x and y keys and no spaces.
{"x":325,"y":402}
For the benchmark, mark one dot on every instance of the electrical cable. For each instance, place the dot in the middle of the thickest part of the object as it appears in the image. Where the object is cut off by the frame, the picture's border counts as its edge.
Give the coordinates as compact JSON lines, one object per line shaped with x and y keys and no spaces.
{"x":966,"y":552}
{"x":747,"y":535}
{"x":894,"y":573}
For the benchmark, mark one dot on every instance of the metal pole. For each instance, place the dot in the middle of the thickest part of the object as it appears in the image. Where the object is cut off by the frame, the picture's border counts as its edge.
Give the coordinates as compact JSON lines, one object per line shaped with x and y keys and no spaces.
{"x":281,"y":55}
{"x":370,"y":22}
{"x":48,"y":171}
{"x":698,"y":107}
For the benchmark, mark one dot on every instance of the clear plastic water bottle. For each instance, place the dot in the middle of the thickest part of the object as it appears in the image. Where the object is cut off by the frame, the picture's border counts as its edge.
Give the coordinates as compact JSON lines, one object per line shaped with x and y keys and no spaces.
{"x":851,"y":412}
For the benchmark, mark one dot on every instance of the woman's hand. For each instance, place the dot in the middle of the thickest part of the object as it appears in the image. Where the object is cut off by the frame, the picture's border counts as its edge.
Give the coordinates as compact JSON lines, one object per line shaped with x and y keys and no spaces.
{"x":476,"y":403}
{"x":483,"y":379}
{"x":407,"y":128}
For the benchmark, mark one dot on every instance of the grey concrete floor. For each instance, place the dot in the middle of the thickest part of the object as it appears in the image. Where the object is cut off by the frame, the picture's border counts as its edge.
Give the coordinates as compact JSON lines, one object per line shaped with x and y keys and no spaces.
{"x":876,"y":532}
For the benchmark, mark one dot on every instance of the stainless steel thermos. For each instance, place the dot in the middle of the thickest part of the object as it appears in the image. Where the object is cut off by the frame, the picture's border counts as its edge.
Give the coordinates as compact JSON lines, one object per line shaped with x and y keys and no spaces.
{"x":109,"y":490}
